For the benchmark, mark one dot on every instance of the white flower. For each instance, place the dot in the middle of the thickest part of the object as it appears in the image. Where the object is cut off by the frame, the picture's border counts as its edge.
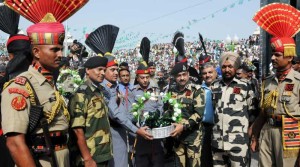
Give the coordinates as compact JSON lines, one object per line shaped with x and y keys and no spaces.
{"x":175,"y":114}
{"x":174,"y":118}
{"x":176,"y":105}
{"x":146,"y":114}
{"x":178,"y":111}
{"x":134,"y":104}
{"x":170,"y":100}
{"x":162,"y":94}
{"x":143,"y":98}
{"x":152,"y":94}
{"x":134,"y":113}
{"x":153,"y":98}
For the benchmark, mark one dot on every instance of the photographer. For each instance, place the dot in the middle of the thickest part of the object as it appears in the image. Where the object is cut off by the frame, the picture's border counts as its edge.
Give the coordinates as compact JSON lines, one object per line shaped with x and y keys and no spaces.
{"x":77,"y":52}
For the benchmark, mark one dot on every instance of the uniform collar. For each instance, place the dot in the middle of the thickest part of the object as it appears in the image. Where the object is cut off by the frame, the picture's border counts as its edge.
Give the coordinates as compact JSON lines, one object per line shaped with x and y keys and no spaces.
{"x":108,"y":84}
{"x":92,"y":85}
{"x":288,"y":78}
{"x":38,"y":76}
{"x":188,"y":86}
{"x":138,"y":87}
{"x":234,"y":80}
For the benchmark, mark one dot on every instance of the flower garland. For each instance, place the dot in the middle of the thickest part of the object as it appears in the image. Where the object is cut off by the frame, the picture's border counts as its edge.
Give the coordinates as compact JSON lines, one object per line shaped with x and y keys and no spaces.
{"x":154,"y":119}
{"x":74,"y":78}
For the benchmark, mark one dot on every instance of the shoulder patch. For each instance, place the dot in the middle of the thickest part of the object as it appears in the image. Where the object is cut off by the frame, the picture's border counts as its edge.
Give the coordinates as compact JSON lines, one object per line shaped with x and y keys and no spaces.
{"x":20,"y":80}
{"x":18,"y":91}
{"x":19,"y":103}
{"x":297,"y":75}
{"x":82,"y":88}
{"x":108,"y":84}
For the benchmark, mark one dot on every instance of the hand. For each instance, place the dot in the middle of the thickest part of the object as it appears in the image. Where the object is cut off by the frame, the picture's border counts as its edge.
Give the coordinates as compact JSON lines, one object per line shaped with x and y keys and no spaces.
{"x":90,"y":163}
{"x":178,"y":130}
{"x":142,"y":132}
{"x":254,"y":144}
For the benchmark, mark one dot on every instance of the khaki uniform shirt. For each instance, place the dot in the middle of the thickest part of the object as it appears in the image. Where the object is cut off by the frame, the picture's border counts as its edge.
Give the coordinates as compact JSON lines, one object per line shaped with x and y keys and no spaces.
{"x":17,"y":121}
{"x":288,"y":92}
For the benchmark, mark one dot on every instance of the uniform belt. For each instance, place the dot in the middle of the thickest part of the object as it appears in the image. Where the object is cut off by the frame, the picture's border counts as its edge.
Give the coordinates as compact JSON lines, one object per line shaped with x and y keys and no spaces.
{"x":114,"y":123}
{"x":58,"y":139}
{"x":275,"y":120}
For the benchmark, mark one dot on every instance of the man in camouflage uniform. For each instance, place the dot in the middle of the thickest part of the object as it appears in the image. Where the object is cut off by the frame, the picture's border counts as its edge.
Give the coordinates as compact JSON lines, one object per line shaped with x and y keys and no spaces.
{"x":120,"y":120}
{"x":89,"y":117}
{"x":232,"y":100}
{"x":188,"y":133}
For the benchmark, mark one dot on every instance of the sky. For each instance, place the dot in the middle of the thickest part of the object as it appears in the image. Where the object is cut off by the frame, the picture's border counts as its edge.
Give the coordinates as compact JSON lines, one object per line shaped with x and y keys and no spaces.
{"x":160,"y":19}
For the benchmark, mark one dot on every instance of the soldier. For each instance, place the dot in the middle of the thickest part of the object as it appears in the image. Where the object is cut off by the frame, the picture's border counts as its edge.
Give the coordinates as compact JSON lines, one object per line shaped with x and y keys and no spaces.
{"x":32,"y":95}
{"x":277,"y":126}
{"x":189,"y":132}
{"x":232,"y":100}
{"x":296,"y":63}
{"x":120,"y":120}
{"x":89,"y":117}
{"x":147,"y":153}
{"x":192,"y":97}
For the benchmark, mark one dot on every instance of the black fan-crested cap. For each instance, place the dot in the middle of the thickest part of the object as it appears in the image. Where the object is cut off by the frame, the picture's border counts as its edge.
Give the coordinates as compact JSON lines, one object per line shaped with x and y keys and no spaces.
{"x":9,"y":20}
{"x":145,"y":49}
{"x":103,"y":39}
{"x":178,"y":42}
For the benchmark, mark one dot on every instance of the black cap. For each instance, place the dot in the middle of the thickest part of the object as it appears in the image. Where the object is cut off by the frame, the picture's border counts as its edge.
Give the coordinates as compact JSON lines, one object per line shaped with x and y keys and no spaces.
{"x":96,"y":61}
{"x":151,"y":64}
{"x":179,"y":67}
{"x":17,"y":43}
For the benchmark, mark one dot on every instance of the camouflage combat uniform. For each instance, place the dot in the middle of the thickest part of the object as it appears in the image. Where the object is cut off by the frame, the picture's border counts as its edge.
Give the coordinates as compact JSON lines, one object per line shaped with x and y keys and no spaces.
{"x":232,"y":104}
{"x":271,"y":152}
{"x":188,"y":149}
{"x":89,"y":111}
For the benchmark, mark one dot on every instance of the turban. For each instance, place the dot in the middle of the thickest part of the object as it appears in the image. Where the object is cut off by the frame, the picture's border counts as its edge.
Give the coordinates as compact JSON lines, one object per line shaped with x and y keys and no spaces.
{"x":232,"y":57}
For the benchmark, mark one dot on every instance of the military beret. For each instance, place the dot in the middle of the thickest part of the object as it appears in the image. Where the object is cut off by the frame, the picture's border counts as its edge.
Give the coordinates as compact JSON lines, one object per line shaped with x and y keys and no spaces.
{"x":96,"y":61}
{"x":151,"y":64}
{"x":179,"y":67}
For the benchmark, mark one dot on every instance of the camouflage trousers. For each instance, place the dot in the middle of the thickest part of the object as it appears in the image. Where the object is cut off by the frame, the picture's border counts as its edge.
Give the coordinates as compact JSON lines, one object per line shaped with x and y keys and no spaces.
{"x":237,"y":157}
{"x":188,"y":155}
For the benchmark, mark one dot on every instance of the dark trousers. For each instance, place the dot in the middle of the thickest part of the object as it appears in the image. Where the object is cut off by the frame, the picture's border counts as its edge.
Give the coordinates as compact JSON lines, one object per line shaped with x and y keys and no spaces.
{"x":149,"y":160}
{"x":206,"y":153}
{"x":5,"y":158}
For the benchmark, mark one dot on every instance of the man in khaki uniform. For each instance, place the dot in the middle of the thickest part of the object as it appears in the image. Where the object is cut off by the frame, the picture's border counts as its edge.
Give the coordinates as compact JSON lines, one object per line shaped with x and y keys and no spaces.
{"x":91,"y":124}
{"x":35,"y":89}
{"x":279,"y":117}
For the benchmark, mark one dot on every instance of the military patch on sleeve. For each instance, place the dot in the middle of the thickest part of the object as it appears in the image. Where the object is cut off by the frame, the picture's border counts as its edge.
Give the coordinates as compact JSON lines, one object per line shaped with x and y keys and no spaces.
{"x":236,"y":90}
{"x":18,"y":91}
{"x":19,"y":103}
{"x":289,"y":87}
{"x":20,"y":80}
{"x":108,"y":84}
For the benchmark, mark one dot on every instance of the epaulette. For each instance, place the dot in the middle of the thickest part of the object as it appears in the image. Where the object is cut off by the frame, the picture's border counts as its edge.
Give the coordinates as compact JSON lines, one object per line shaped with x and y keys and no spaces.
{"x":297,"y":75}
{"x":244,"y":80}
{"x":82,"y":88}
{"x":216,"y":80}
{"x":196,"y":86}
{"x":108,"y":84}
{"x":20,"y":80}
